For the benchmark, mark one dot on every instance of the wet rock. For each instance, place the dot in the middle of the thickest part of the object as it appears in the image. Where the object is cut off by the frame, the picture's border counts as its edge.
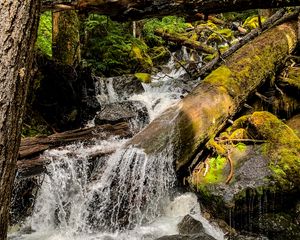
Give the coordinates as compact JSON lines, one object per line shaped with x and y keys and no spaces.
{"x":266,"y":171}
{"x":119,"y":88}
{"x":133,"y":112}
{"x":190,"y":225}
{"x":199,"y":236}
{"x":23,"y":198}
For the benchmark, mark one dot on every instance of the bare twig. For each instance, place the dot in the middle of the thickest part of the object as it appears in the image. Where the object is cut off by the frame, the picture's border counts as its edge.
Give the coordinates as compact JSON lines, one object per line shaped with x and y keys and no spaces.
{"x":231,"y":168}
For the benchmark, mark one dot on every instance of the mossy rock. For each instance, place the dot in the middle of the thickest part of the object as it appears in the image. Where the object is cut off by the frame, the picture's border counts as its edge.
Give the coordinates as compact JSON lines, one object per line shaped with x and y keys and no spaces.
{"x":271,"y":163}
{"x":144,"y":61}
{"x":159,"y":55}
{"x":143,"y":77}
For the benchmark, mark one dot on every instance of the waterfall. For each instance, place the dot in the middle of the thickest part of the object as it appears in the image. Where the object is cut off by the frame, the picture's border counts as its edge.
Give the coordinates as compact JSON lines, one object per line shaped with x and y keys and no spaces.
{"x":127,"y":195}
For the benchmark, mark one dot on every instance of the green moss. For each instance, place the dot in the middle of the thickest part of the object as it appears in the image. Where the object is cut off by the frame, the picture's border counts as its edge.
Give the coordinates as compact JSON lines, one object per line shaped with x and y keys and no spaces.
{"x":252,"y":22}
{"x":220,"y":76}
{"x":226,"y":33}
{"x":241,"y":146}
{"x":216,"y":171}
{"x":143,"y":77}
{"x":283,"y":148}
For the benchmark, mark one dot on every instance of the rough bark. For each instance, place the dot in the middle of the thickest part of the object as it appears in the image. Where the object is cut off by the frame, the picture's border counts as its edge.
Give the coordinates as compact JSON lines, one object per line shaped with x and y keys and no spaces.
{"x":204,"y":112}
{"x":18,"y":24}
{"x":134,"y":9}
{"x":65,"y":37}
{"x":185,"y":41}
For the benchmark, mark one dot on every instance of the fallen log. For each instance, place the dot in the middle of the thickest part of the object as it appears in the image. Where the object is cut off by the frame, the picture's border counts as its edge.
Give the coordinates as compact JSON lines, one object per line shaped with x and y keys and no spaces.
{"x":204,"y":112}
{"x":185,"y":41}
{"x":33,"y":146}
{"x":135,"y":9}
{"x":30,"y":161}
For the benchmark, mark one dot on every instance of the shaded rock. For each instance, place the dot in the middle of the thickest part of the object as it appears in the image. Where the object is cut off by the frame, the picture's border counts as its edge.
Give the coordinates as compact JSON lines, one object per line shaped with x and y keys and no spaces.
{"x":119,"y":88}
{"x":190,"y":225}
{"x":23,"y":198}
{"x":133,"y":112}
{"x":279,"y":226}
{"x":249,"y":237}
{"x":199,"y":236}
{"x":62,"y":95}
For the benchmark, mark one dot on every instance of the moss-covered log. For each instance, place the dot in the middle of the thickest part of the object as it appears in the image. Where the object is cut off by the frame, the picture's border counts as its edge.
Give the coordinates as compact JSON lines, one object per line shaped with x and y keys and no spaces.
{"x":134,"y":9}
{"x":185,"y":41}
{"x":199,"y":116}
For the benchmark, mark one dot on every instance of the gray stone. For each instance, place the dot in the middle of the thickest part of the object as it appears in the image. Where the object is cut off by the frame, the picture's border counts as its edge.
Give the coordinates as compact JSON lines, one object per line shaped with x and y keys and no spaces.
{"x":190,"y":225}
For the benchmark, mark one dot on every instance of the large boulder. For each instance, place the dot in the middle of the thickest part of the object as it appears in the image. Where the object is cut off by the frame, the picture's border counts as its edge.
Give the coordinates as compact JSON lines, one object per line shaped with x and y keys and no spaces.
{"x":133,"y":112}
{"x":256,"y":160}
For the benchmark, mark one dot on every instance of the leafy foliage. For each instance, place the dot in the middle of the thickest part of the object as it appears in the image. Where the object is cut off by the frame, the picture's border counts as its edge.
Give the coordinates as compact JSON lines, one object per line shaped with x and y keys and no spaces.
{"x":111,"y":49}
{"x":44,"y":39}
{"x":172,"y":24}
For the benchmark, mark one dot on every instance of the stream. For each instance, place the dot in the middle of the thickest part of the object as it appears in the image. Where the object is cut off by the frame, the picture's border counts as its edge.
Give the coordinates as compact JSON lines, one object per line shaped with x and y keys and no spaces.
{"x":128,"y":195}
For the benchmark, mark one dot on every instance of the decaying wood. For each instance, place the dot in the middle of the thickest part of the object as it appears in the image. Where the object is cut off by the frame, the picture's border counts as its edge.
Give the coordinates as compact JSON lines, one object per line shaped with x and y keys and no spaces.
{"x":135,"y":9}
{"x":277,"y":18}
{"x":185,"y":41}
{"x":33,"y":146}
{"x":205,"y":111}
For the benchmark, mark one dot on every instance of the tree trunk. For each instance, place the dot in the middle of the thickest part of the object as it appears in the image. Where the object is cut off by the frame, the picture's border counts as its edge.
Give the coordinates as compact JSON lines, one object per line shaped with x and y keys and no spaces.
{"x":18,"y":24}
{"x":65,"y":37}
{"x":204,"y":112}
{"x":135,"y":9}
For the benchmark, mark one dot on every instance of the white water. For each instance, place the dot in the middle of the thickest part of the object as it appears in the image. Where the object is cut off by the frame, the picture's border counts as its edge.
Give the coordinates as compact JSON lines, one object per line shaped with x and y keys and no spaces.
{"x":127,"y":197}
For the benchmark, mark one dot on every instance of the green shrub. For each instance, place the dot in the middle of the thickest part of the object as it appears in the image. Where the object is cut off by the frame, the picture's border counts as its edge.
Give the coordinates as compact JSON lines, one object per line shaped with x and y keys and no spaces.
{"x":172,"y":24}
{"x":44,"y":39}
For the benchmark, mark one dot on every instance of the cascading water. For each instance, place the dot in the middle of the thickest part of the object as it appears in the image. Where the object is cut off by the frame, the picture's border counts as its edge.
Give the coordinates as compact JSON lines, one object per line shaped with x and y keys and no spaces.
{"x":127,"y":195}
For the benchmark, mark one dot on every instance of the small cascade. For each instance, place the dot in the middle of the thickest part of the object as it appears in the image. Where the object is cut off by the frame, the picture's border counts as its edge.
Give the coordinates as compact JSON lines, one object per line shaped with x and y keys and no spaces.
{"x":126,"y":195}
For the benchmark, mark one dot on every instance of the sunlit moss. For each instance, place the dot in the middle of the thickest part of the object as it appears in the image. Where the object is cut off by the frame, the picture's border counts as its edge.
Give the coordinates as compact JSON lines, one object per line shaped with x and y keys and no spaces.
{"x":44,"y":39}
